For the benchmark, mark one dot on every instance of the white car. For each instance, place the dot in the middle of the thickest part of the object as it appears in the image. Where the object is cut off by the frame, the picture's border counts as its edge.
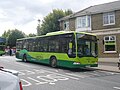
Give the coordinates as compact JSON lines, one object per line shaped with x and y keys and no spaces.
{"x":9,"y":80}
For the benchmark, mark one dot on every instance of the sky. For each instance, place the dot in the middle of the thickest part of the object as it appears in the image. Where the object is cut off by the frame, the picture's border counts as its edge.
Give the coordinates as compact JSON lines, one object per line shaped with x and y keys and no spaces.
{"x":24,"y":14}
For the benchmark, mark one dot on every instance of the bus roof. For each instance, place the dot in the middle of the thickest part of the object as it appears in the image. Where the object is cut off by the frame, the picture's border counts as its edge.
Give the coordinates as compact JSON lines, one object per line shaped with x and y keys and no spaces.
{"x":56,"y":33}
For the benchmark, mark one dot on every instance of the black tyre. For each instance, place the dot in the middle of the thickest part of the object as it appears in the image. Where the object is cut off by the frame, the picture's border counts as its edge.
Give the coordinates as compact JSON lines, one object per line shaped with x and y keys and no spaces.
{"x":53,"y":62}
{"x":119,"y":66}
{"x":24,"y":58}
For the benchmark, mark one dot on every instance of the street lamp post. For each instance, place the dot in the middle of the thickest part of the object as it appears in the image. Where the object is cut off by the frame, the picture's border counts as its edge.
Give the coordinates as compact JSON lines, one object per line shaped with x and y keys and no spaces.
{"x":38,"y":27}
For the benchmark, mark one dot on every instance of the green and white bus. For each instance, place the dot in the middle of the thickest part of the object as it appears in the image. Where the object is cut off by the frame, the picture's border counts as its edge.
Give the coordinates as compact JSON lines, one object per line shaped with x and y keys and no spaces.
{"x":67,"y":49}
{"x":2,"y":46}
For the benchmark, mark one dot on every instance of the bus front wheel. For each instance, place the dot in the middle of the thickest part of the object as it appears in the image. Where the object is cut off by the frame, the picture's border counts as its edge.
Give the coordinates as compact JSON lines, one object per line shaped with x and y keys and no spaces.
{"x":24,"y":58}
{"x":53,"y":62}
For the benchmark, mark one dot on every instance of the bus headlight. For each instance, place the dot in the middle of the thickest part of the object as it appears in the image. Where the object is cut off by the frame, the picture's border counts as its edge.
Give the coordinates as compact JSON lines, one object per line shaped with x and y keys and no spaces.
{"x":76,"y":63}
{"x":96,"y":62}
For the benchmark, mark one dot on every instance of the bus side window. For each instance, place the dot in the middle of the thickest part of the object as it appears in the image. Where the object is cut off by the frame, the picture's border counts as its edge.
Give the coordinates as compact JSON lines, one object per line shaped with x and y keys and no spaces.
{"x":87,"y":50}
{"x":80,"y":50}
{"x":41,"y":49}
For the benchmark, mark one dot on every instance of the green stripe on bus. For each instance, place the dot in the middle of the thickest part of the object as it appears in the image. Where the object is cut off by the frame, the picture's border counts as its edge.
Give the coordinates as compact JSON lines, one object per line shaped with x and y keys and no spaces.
{"x":46,"y":56}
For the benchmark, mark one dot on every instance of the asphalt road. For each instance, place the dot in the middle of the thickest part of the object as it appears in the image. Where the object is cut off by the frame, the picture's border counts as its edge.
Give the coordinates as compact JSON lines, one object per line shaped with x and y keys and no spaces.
{"x":42,"y":77}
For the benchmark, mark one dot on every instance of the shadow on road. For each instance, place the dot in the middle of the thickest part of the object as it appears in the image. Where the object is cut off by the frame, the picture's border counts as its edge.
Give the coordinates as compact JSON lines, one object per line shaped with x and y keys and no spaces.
{"x":62,"y":68}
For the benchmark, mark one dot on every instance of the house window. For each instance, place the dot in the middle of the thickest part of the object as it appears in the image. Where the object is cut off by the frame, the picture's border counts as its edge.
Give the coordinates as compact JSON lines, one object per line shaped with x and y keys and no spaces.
{"x":109,"y":43}
{"x":66,"y":25}
{"x":109,"y":18}
{"x":83,"y":22}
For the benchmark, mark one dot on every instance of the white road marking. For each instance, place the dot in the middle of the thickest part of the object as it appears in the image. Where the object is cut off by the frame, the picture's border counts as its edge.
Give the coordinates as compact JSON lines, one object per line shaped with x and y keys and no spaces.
{"x":52,"y":83}
{"x":50,"y":78}
{"x":47,"y":79}
{"x":60,"y":74}
{"x":108,"y":72}
{"x":29,"y":72}
{"x":3,"y":60}
{"x":22,"y":64}
{"x":75,"y":75}
{"x":21,"y":73}
{"x":39,"y":71}
{"x":118,"y":88}
{"x":93,"y":74}
{"x":27,"y":83}
{"x":26,"y":72}
{"x":38,"y":82}
{"x":57,"y":77}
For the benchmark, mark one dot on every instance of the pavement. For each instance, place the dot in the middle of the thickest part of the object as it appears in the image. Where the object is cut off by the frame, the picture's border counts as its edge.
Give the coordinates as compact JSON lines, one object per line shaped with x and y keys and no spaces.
{"x":108,"y":64}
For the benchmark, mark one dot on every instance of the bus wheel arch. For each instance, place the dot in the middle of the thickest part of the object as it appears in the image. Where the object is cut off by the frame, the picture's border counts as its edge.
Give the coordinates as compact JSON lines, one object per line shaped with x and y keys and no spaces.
{"x":53,"y":61}
{"x":24,"y":59}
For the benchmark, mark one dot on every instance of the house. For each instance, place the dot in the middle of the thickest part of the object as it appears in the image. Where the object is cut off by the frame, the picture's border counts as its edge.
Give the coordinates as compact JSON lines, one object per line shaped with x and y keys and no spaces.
{"x":102,"y":20}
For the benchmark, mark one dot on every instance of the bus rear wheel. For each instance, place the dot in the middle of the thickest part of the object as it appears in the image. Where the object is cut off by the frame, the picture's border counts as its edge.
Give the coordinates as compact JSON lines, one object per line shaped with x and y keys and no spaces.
{"x":53,"y":62}
{"x":24,"y":58}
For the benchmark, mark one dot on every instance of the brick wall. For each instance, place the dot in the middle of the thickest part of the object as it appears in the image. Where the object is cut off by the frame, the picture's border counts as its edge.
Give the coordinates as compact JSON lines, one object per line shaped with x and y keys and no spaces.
{"x":97,"y":21}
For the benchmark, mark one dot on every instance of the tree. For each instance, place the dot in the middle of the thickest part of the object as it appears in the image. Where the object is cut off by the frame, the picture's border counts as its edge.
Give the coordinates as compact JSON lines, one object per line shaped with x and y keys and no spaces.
{"x":6,"y":34}
{"x":51,"y":23}
{"x":31,"y":35}
{"x":13,"y":36}
{"x":68,"y":12}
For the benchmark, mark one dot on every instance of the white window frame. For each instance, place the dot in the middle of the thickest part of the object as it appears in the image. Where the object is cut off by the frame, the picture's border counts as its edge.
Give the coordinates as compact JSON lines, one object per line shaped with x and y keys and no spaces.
{"x":67,"y":25}
{"x":108,"y":15}
{"x":109,"y":40}
{"x":79,"y":23}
